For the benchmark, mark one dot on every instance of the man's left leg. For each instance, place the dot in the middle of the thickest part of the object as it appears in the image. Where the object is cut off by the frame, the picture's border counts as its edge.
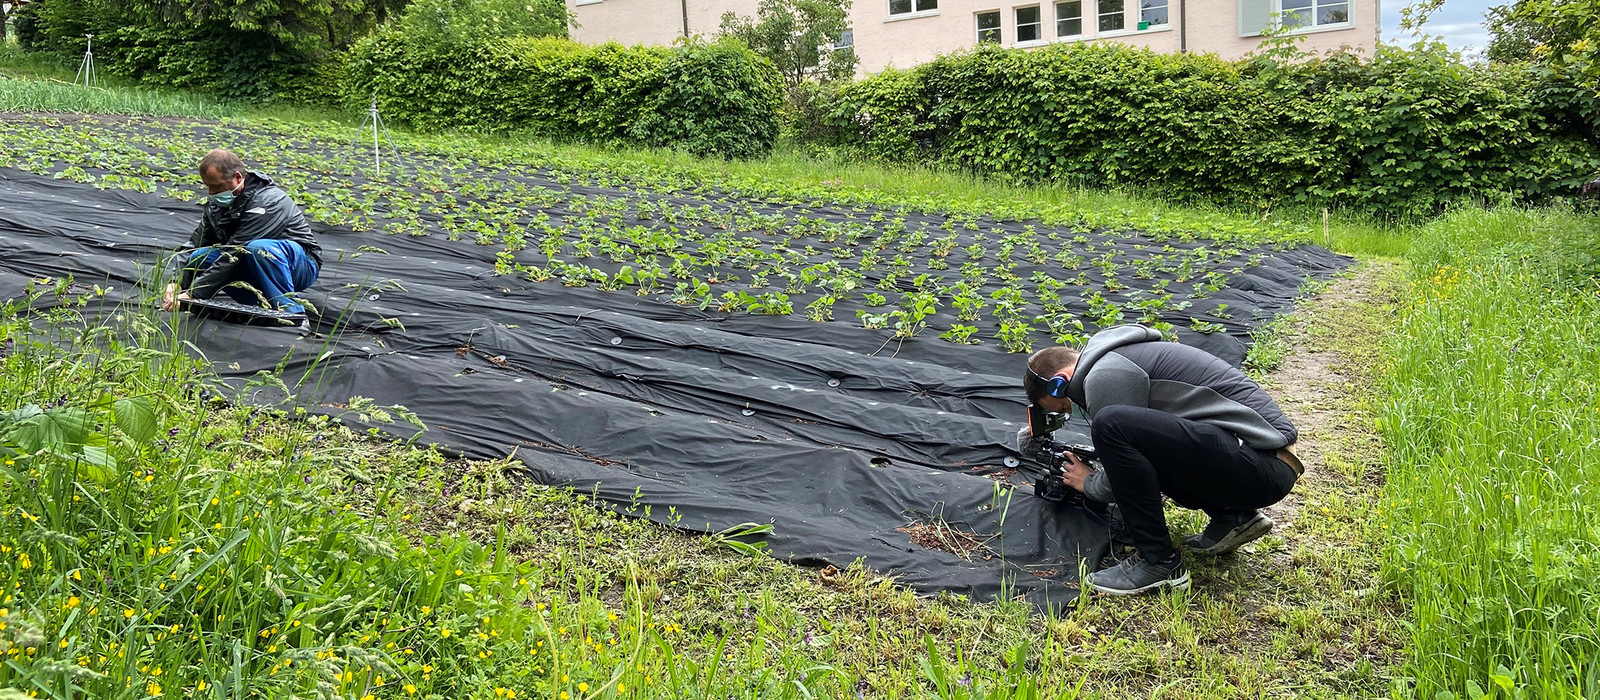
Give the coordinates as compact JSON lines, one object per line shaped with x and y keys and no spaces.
{"x":1146,"y":453}
{"x":279,"y":268}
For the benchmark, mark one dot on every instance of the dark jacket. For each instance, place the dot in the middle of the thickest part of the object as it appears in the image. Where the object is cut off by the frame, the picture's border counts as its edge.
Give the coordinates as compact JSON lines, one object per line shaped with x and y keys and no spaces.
{"x":260,"y":211}
{"x":1130,"y":366}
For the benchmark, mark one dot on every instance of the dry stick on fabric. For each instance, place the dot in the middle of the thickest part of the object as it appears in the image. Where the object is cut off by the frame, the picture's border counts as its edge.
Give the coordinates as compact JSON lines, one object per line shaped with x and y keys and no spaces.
{"x":884,"y":345}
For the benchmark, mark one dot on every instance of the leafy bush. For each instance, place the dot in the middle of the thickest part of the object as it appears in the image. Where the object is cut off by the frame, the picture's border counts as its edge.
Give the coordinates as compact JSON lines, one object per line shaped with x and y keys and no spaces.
{"x":709,"y":99}
{"x":1405,"y":132}
{"x":233,"y":49}
{"x":25,"y":22}
{"x":479,"y":20}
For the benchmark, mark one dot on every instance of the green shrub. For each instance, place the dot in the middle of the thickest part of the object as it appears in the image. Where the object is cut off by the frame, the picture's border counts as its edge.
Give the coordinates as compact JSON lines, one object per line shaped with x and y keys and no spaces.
{"x":719,"y":99}
{"x":25,"y":22}
{"x":1406,"y":132}
{"x":479,"y":20}
{"x":231,"y":49}
{"x":708,"y":99}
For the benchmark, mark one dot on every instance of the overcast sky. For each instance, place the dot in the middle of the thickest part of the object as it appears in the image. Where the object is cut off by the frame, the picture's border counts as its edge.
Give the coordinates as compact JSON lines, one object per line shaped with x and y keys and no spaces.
{"x":1459,"y":23}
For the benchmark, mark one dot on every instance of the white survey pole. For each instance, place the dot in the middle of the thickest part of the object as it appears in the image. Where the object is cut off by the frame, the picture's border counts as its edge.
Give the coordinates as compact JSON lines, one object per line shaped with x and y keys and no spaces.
{"x":86,"y":68}
{"x":377,"y":160}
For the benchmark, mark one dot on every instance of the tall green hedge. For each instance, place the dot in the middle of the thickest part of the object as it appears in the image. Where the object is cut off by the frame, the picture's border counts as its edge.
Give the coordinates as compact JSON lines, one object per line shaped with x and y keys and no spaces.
{"x":1405,"y":131}
{"x":708,"y":99}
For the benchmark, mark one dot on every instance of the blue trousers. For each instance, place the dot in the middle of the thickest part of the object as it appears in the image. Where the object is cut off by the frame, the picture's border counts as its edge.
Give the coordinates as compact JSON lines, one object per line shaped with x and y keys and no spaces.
{"x":277,"y":268}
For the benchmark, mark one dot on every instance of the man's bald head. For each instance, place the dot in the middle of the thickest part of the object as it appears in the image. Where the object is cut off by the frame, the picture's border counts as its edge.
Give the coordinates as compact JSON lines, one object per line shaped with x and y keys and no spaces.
{"x":222,"y":171}
{"x":222,"y":163}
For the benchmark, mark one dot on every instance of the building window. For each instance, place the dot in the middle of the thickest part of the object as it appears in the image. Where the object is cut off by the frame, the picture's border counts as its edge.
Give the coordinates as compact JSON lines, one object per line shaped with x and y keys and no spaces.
{"x":1111,"y":15}
{"x":1069,"y":18}
{"x":847,"y":39}
{"x":1298,"y":14}
{"x":1154,"y":12}
{"x":989,"y":27}
{"x":1028,"y":24}
{"x":906,"y":7}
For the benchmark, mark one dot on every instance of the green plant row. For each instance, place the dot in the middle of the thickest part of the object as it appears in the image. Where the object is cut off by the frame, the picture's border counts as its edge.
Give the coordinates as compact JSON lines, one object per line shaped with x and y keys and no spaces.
{"x":707,"y":99}
{"x":1402,"y":132}
{"x":1488,"y":407}
{"x":967,"y":278}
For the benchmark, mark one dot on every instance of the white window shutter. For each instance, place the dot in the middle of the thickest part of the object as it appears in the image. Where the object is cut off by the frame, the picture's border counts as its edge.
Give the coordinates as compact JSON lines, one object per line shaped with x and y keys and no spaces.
{"x":1254,"y":16}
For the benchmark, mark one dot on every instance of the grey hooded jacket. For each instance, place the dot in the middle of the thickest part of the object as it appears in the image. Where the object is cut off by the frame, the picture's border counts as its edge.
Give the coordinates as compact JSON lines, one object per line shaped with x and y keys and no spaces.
{"x":1128,"y":365}
{"x":261,"y":211}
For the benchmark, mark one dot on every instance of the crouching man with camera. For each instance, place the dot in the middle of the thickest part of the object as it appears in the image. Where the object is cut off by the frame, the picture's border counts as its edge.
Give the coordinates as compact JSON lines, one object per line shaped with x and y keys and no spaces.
{"x":1166,"y":419}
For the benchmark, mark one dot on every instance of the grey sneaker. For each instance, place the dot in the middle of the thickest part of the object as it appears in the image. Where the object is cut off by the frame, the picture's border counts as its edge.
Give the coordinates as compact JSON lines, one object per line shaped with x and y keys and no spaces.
{"x":1229,"y":532}
{"x":1138,"y":576}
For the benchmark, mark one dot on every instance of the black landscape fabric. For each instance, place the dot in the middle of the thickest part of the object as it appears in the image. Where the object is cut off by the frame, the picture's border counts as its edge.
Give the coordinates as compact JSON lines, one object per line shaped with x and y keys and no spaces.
{"x":708,"y":419}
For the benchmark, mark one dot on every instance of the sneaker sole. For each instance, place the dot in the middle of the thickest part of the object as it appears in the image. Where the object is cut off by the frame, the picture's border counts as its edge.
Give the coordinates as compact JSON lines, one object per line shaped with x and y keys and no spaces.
{"x":1239,"y":536}
{"x":1177,"y":584}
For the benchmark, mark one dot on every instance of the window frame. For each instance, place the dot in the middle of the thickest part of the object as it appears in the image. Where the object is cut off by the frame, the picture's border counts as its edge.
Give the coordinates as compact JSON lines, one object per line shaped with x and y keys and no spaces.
{"x":998,"y":28}
{"x":1166,"y":5}
{"x":917,"y":9}
{"x":1314,"y":9}
{"x":1037,"y":24}
{"x":1059,"y":20}
{"x":1121,"y":13}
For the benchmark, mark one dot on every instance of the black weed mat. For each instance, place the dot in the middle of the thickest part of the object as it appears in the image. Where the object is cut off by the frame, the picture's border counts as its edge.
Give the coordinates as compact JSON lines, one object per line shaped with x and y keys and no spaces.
{"x":709,"y":419}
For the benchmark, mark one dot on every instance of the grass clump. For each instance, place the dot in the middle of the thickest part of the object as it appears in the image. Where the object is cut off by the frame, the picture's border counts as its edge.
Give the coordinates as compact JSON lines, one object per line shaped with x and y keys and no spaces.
{"x":1490,"y":411}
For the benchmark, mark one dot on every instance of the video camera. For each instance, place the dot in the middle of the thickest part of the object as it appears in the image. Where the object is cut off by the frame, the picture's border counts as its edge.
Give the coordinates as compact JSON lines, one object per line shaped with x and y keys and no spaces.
{"x":1052,"y":455}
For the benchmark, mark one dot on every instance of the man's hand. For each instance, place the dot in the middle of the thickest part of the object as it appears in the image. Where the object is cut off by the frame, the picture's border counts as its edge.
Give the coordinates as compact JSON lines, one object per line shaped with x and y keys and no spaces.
{"x":1076,"y":471}
{"x":170,"y":299}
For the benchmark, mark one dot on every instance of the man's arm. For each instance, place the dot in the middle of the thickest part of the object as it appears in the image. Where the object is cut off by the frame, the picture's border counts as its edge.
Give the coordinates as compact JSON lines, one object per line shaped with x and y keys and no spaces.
{"x":268,"y":216}
{"x":1115,"y":381}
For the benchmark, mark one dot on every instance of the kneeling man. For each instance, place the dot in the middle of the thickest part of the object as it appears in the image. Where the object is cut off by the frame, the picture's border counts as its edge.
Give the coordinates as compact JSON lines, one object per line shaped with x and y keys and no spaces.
{"x":252,"y":244}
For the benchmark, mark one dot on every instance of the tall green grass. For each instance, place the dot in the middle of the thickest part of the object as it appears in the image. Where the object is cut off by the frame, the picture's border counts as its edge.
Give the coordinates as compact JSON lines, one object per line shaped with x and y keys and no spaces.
{"x":1492,"y":415}
{"x":53,"y":96}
